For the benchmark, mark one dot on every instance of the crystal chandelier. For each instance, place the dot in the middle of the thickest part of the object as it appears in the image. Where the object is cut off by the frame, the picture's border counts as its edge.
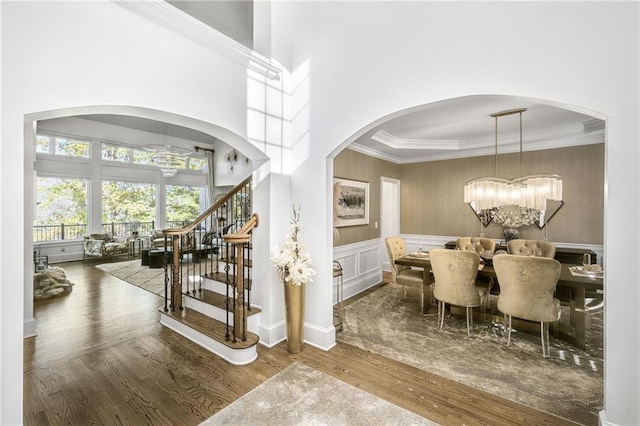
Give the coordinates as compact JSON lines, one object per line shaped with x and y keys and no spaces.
{"x":168,"y":157}
{"x":530,"y":191}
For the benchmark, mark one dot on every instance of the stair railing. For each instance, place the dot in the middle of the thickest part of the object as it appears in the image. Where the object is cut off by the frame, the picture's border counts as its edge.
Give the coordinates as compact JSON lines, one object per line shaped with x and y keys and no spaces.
{"x":197,"y":250}
{"x":241,"y":242}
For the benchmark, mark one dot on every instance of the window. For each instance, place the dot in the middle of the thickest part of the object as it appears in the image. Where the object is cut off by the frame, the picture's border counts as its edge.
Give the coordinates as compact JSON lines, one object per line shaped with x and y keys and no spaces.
{"x":197,"y":164}
{"x":183,"y":204}
{"x":71,"y":147}
{"x":43,"y":144}
{"x":115,"y":153}
{"x":143,"y":157}
{"x":61,"y":209}
{"x":126,"y":202}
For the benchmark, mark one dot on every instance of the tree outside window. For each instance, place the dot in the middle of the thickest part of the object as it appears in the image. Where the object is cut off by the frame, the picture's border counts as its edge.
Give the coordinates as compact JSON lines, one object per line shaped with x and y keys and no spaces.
{"x":183,"y":204}
{"x":61,"y":209}
{"x":126,"y":202}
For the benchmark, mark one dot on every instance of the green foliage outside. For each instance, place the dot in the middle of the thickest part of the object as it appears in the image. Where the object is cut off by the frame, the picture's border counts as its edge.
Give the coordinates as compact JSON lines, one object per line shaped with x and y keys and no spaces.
{"x":183,"y":203}
{"x":72,"y":147}
{"x":127,"y":201}
{"x":61,"y":201}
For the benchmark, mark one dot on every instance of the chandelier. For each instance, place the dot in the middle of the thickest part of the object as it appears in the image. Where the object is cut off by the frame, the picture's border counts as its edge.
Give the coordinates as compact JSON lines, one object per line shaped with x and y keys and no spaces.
{"x":168,"y":157}
{"x":530,"y":191}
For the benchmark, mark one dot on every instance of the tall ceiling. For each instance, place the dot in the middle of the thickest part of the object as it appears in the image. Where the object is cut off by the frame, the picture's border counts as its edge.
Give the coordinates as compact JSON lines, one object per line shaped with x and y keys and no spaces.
{"x":454,"y":128}
{"x":233,"y":18}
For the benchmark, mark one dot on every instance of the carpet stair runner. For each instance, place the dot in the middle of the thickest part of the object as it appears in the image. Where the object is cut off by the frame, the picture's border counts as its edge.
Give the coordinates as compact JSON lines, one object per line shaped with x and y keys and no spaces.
{"x":203,"y":321}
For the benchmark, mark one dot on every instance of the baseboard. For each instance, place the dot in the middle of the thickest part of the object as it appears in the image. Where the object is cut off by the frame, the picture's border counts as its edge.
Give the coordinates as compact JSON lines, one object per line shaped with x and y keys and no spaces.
{"x":29,"y":328}
{"x":322,"y":338}
{"x":272,"y":335}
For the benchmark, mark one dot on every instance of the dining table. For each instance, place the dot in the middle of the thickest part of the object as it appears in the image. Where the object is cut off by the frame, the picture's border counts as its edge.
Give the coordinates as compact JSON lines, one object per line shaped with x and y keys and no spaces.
{"x":572,"y":290}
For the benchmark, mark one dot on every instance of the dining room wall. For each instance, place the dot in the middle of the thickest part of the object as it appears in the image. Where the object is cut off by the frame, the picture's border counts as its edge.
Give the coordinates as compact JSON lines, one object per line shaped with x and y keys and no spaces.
{"x":432,"y":197}
{"x":354,"y":165}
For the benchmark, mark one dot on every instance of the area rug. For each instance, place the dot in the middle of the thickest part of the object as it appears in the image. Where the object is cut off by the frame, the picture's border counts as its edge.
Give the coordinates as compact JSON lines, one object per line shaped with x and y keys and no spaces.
{"x":301,"y":395}
{"x":131,"y":271}
{"x":568,"y":384}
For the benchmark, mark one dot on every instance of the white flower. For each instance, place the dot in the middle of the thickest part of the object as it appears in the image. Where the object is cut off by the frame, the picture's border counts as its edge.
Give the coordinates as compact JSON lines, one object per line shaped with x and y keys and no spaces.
{"x":293,"y":263}
{"x":515,"y":216}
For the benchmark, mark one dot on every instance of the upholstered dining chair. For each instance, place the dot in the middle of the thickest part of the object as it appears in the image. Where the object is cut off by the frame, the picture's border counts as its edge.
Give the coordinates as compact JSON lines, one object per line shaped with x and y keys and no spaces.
{"x":401,"y":274}
{"x":455,"y":273}
{"x":527,"y":286}
{"x":486,"y":248}
{"x":531,"y":248}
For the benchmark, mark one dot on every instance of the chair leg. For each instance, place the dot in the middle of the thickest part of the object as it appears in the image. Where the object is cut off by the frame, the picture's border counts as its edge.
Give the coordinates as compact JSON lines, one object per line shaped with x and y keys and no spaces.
{"x":441,"y":309}
{"x":544,"y":335}
{"x":469,"y":320}
{"x":509,"y":334}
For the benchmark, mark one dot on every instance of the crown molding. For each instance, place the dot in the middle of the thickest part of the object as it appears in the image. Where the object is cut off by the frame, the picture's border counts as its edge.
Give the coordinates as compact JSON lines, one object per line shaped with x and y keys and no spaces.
{"x":541,"y":143}
{"x":374,"y":153}
{"x":181,"y":23}
{"x":400,"y":143}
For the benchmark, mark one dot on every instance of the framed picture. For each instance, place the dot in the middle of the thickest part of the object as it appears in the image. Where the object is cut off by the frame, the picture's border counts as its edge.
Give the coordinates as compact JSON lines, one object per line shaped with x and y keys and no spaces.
{"x":350,"y":202}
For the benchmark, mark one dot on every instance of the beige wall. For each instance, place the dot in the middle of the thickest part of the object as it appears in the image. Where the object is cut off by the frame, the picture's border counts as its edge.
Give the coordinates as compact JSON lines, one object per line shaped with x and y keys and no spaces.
{"x":432,"y":200}
{"x":354,"y":165}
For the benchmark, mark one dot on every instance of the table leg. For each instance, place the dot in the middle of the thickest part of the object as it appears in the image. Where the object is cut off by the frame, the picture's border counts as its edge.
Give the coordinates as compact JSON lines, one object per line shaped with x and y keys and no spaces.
{"x":427,"y":298}
{"x":577,"y":319}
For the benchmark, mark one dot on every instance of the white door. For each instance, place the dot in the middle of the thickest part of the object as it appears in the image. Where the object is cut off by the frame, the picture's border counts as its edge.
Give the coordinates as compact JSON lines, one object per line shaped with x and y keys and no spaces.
{"x":389,"y":215}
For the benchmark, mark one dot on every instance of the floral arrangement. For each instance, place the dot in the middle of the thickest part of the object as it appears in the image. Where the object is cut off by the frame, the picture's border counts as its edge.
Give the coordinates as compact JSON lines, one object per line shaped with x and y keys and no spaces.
{"x":514,"y":216}
{"x":290,"y":257}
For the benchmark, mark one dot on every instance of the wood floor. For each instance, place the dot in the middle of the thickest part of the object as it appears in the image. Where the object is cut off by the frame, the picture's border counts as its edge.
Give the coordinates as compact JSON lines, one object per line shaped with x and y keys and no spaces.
{"x":101,"y":357}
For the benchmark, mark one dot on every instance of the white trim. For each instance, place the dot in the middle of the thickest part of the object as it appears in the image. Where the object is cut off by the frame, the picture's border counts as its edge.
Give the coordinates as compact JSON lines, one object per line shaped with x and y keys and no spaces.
{"x":272,"y":335}
{"x":29,"y":328}
{"x":356,"y":278}
{"x":175,"y":20}
{"x":602,"y":419}
{"x":234,"y":356}
{"x":322,"y":338}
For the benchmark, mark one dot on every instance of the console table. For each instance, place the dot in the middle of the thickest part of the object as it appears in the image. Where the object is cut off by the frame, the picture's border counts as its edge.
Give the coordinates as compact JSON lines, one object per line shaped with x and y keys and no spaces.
{"x":572,"y":256}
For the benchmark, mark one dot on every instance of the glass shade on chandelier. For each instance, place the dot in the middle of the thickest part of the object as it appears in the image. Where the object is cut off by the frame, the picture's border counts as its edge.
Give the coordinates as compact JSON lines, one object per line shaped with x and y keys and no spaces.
{"x":531,"y":192}
{"x":168,"y":158}
{"x":489,"y":193}
{"x":540,"y":188}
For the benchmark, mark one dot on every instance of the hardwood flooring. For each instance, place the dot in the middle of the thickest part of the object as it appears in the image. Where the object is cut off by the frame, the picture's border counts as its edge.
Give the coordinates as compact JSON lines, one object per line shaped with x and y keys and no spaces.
{"x":101,"y":357}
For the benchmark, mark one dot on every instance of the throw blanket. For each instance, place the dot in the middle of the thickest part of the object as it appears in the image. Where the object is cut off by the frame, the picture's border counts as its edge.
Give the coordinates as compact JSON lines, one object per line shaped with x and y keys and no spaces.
{"x":50,"y":282}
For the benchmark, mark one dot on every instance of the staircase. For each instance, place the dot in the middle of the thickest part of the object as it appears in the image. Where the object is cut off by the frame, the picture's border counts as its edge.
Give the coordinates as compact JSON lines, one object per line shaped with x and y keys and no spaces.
{"x":208,"y":279}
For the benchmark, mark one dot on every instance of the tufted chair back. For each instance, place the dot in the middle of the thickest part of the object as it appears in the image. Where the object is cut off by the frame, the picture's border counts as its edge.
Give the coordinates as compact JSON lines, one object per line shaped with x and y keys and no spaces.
{"x":532,"y":248}
{"x":485,"y":247}
{"x":396,"y":248}
{"x":527,"y":286}
{"x":455,"y":274}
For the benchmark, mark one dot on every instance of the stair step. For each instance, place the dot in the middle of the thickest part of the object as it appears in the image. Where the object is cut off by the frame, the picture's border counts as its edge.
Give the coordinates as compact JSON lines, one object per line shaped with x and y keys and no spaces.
{"x":222,"y":277}
{"x":218,"y":300}
{"x":211,"y":328}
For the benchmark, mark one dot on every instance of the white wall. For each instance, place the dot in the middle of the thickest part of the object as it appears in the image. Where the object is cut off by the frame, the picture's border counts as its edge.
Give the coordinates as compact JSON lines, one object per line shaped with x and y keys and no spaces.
{"x":379,"y":58}
{"x":94,"y":57}
{"x":375,"y":60}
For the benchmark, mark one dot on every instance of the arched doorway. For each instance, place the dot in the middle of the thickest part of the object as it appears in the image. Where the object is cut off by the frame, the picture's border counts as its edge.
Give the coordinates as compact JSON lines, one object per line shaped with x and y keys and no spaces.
{"x":432,"y":211}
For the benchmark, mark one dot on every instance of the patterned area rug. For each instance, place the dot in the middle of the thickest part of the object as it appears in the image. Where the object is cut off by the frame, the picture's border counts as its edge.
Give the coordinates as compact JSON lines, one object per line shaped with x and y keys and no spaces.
{"x":141,"y":276}
{"x":568,"y":384}
{"x":301,"y":395}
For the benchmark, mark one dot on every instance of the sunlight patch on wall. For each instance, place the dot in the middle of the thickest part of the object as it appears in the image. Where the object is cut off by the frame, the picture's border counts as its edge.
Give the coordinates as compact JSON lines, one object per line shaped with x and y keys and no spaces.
{"x":278,"y":117}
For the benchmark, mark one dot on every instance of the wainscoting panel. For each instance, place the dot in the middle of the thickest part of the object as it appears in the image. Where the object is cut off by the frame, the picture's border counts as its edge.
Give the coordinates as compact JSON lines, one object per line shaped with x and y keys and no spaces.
{"x":361,"y":266}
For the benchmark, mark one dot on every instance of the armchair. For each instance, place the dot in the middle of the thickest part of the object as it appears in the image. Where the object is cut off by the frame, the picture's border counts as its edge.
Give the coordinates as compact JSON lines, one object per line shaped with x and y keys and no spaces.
{"x":104,"y":245}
